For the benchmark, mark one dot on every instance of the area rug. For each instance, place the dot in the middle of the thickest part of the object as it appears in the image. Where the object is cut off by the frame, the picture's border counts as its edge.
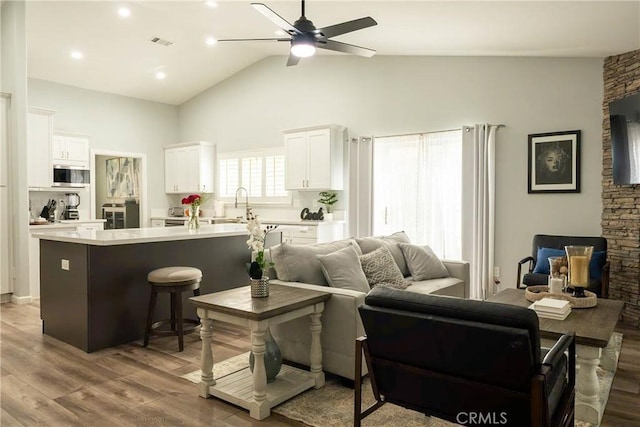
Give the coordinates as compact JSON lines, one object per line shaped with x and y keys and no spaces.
{"x":332,"y":405}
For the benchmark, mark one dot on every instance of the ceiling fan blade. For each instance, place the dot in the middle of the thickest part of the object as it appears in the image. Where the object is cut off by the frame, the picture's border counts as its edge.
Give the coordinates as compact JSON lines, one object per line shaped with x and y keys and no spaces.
{"x":255,"y":40}
{"x":275,"y":18}
{"x":346,"y":48}
{"x":293,"y":60}
{"x":347,"y":27}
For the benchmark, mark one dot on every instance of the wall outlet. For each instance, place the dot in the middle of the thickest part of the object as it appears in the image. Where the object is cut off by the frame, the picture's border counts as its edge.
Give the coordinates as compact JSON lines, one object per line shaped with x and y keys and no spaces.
{"x":64,"y":264}
{"x":496,"y":271}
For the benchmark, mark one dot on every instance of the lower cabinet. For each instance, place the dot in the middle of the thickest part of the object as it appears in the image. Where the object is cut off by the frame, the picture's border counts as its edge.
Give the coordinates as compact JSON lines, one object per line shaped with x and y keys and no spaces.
{"x":34,"y":251}
{"x":315,"y":233}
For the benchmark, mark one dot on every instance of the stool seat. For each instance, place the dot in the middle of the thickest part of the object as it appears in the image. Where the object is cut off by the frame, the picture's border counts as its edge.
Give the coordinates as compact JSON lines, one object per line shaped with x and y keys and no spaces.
{"x":172,"y":280}
{"x":171,"y":275}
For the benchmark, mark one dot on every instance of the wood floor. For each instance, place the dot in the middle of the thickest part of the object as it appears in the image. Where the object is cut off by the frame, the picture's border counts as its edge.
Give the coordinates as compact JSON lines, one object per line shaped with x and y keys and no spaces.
{"x":48,"y":383}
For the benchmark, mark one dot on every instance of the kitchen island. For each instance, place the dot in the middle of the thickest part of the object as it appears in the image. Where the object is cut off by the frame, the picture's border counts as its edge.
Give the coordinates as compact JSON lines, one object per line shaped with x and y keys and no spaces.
{"x":93,"y":284}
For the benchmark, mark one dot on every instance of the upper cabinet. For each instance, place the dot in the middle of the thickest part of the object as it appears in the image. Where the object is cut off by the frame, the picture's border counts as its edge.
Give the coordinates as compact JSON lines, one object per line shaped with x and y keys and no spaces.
{"x":314,"y":158}
{"x":70,"y":149}
{"x":39,"y":135}
{"x":189,"y":167}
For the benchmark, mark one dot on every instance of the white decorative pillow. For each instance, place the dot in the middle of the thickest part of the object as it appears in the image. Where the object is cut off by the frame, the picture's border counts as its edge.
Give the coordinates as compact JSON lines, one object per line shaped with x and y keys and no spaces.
{"x":298,"y":263}
{"x":342,"y":270}
{"x":423,"y":263}
{"x":380,"y":267}
{"x":370,"y":244}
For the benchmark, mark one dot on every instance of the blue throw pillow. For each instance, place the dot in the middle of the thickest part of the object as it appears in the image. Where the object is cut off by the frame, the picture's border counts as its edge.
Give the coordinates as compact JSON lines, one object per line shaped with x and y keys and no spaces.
{"x":598,"y":259}
{"x":542,"y":259}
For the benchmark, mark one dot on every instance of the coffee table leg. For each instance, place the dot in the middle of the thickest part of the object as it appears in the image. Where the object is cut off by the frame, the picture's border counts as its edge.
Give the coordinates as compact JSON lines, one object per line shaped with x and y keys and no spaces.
{"x":316,"y":346}
{"x":588,"y":406}
{"x":609,"y":360}
{"x":206,"y":357}
{"x":259,"y":408}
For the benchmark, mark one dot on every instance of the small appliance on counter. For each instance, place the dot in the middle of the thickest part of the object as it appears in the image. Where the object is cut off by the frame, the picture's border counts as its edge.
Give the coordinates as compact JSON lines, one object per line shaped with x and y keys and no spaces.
{"x":176,"y":211}
{"x":71,"y":203}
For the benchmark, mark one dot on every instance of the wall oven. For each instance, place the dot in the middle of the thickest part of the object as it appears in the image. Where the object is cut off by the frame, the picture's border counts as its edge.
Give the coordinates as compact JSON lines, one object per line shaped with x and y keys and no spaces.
{"x":70,"y":176}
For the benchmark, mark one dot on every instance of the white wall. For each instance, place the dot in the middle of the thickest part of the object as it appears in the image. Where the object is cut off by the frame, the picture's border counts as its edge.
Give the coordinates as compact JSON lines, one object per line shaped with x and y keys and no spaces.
{"x":390,"y":95}
{"x":114,"y":123}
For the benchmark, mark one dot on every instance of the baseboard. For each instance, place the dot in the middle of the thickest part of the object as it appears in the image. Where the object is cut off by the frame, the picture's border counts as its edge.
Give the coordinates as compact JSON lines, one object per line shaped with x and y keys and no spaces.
{"x":21,"y":300}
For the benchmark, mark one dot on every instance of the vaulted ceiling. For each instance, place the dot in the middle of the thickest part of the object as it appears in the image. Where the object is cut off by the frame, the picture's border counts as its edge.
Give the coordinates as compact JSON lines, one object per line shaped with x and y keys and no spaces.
{"x":118,"y":56}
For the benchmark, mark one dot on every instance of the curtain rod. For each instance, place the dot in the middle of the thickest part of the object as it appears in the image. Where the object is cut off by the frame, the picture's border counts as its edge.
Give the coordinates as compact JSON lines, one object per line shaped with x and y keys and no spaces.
{"x":433,"y":131}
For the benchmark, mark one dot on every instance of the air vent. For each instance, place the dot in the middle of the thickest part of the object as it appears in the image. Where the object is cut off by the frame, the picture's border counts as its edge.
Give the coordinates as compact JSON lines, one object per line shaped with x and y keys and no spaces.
{"x":163,"y":42}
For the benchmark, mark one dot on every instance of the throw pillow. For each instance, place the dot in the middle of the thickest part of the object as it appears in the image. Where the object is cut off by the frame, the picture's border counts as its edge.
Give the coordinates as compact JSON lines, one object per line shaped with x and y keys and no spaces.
{"x":298,"y":263}
{"x":598,"y":260}
{"x":380,"y":267}
{"x":342,"y":269}
{"x":370,"y":244}
{"x":423,"y":263}
{"x":542,"y":259}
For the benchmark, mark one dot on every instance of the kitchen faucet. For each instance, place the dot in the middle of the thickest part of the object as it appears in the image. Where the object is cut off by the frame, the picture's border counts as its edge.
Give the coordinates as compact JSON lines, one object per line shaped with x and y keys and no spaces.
{"x":246,"y":202}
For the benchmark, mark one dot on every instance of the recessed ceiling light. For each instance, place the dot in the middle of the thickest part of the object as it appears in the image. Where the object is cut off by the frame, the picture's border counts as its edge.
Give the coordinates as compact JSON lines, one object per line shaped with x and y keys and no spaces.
{"x":211,"y":3}
{"x":76,"y":54}
{"x":160,"y":75}
{"x":280,"y":33}
{"x":124,"y":12}
{"x":211,"y":41}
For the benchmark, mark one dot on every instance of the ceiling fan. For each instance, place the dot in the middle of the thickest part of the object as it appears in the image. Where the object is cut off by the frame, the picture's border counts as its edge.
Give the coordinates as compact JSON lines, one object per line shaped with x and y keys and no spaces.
{"x":305,"y":37}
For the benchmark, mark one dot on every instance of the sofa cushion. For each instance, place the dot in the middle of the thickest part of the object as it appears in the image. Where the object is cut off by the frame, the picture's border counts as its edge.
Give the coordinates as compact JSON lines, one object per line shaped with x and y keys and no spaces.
{"x":380,"y":267}
{"x":298,"y":263}
{"x":370,"y":244}
{"x":448,"y":286}
{"x":422,"y":262}
{"x":342,"y":269}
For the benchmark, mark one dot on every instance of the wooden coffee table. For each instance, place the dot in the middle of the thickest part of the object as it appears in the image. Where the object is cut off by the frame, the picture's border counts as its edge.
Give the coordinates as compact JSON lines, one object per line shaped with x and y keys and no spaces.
{"x":594,"y":329}
{"x":236,"y":306}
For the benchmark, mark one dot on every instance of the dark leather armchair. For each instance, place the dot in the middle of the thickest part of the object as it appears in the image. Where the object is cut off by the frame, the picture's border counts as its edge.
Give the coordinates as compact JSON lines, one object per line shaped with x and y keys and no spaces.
{"x":463,"y":361}
{"x":599,"y":286}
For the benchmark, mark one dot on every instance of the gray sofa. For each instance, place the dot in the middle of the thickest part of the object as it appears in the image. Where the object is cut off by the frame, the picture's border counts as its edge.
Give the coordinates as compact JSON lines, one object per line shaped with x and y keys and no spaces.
{"x":341,"y":323}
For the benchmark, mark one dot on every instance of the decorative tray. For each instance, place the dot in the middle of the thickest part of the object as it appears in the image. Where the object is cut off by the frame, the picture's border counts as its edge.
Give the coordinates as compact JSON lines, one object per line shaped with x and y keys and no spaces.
{"x":535,"y":293}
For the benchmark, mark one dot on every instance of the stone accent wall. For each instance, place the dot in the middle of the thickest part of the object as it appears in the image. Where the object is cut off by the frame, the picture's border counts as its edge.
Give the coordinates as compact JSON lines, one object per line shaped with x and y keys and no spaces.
{"x":621,"y":203}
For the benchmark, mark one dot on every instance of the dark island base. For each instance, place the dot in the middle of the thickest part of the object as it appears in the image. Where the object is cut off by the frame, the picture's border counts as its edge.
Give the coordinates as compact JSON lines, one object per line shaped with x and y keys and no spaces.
{"x":102,"y":300}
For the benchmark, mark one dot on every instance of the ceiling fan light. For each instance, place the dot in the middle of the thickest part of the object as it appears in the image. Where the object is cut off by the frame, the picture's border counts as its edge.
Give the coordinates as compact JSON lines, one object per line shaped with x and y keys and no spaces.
{"x":303,"y":49}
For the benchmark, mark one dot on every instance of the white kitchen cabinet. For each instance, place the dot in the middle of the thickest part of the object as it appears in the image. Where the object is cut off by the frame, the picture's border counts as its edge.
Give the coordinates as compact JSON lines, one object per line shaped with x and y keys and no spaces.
{"x":189,"y":168}
{"x":70,"y":149}
{"x":314,"y":158}
{"x":39,"y":137}
{"x":317,"y":232}
{"x":157,"y":223}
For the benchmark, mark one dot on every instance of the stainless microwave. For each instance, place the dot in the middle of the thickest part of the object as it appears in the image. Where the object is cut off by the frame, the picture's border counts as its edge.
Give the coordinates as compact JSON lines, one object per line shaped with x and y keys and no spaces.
{"x":70,"y":176}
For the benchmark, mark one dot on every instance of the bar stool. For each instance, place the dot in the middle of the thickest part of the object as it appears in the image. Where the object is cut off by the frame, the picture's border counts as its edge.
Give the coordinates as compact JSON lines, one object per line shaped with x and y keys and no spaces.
{"x":174,"y":280}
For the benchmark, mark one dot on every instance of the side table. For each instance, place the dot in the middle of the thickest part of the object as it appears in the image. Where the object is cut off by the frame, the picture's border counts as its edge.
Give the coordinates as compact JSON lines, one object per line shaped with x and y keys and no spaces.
{"x":250,"y":390}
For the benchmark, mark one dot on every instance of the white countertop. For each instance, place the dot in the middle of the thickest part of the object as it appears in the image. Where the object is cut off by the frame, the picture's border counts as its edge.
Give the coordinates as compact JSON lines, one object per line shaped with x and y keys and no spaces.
{"x":298,"y":222}
{"x":143,"y":235}
{"x":65,"y":223}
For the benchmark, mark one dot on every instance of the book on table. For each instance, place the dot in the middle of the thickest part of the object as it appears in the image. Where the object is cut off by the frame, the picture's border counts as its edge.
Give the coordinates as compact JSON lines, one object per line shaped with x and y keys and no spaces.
{"x":552,"y":308}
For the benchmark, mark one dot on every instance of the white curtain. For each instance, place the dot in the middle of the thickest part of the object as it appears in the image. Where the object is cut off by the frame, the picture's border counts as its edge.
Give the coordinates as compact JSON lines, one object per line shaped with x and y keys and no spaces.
{"x":483,"y":234}
{"x":417,"y":186}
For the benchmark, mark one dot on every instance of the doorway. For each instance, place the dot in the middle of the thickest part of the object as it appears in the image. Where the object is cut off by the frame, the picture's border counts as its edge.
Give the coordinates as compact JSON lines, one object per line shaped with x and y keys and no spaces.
{"x":119,"y":188}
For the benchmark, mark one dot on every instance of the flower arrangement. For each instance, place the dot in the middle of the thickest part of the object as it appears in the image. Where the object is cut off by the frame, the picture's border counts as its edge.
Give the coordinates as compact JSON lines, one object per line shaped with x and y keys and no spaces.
{"x":328,"y":199}
{"x":257,"y":237}
{"x":194,"y":201}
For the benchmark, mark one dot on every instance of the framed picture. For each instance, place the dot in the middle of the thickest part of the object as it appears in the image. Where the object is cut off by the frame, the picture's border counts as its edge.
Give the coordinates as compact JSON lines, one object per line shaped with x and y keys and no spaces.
{"x":554,"y":162}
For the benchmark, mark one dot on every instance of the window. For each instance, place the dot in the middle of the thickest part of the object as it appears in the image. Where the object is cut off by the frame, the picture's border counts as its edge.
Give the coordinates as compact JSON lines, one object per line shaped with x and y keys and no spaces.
{"x":261,"y":172}
{"x":417,"y":187}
